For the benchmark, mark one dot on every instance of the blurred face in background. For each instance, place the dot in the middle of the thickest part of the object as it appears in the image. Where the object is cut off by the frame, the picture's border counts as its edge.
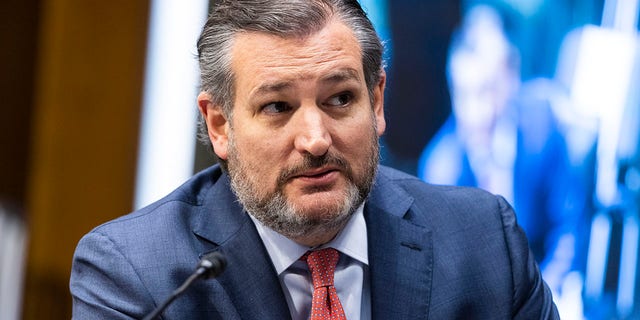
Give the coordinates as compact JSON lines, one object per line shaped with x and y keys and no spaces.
{"x":482,"y":79}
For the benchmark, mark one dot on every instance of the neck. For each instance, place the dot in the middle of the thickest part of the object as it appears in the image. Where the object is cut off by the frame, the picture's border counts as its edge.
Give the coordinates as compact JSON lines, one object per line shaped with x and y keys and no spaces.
{"x":319,"y":236}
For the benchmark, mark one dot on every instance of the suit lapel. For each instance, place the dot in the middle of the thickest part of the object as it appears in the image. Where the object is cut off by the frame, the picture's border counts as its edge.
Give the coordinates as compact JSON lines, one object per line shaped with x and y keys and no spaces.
{"x":250,"y":280}
{"x":400,"y":256}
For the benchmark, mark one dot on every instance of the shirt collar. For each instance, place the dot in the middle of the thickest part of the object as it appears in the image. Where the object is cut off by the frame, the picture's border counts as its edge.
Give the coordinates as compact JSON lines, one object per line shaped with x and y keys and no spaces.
{"x":351,"y":240}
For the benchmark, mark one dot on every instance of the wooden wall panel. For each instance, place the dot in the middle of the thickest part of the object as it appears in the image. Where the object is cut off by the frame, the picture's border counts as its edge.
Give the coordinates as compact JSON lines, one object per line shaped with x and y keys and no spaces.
{"x":18,"y":38}
{"x":85,"y":133}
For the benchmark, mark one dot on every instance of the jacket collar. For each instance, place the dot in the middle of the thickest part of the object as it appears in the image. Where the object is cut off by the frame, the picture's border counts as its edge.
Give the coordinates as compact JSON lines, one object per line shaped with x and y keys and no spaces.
{"x":400,"y":254}
{"x":250,"y":281}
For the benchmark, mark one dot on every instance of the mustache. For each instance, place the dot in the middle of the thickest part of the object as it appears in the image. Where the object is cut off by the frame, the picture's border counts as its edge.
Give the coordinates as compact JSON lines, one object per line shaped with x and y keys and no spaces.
{"x":310,"y":162}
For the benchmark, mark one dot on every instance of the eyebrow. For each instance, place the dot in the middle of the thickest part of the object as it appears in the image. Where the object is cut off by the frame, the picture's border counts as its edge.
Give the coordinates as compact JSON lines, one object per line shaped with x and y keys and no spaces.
{"x":342,"y":75}
{"x":273,"y":87}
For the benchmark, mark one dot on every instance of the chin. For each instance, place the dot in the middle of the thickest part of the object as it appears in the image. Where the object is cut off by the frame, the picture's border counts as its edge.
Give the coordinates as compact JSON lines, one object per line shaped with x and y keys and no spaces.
{"x":333,"y":199}
{"x":319,"y":211}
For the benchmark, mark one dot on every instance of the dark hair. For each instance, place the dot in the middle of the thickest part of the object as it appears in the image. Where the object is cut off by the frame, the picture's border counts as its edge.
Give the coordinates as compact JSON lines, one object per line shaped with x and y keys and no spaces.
{"x":285,"y":18}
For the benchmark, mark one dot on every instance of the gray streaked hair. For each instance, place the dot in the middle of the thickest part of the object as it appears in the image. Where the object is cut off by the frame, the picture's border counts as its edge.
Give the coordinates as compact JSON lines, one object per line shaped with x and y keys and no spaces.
{"x":284,"y":18}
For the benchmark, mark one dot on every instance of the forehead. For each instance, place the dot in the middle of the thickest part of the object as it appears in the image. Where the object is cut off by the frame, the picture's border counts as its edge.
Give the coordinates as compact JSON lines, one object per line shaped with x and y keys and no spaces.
{"x":260,"y":57}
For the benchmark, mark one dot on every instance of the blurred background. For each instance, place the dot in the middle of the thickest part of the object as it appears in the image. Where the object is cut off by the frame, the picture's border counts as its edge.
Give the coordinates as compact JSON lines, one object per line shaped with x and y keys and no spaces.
{"x":536,"y":100}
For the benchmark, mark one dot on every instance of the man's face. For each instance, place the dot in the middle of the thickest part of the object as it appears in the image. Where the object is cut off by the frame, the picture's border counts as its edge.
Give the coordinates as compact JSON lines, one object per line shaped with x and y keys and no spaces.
{"x":302,"y":145}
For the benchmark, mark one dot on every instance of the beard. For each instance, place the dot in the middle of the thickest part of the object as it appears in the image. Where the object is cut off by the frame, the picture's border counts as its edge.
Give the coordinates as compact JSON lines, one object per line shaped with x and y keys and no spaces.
{"x":274,"y":210}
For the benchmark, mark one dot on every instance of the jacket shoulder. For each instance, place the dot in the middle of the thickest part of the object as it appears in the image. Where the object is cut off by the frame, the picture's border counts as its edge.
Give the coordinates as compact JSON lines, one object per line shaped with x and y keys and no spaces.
{"x":396,"y":183}
{"x":191,"y":194}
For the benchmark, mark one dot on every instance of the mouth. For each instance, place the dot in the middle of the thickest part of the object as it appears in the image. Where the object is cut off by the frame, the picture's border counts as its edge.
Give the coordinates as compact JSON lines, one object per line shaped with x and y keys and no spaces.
{"x":319,"y":172}
{"x":317,"y":176}
{"x":316,"y":172}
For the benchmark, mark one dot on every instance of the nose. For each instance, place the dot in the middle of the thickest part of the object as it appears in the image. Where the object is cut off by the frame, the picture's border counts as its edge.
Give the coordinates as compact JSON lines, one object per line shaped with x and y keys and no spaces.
{"x":312,"y":133}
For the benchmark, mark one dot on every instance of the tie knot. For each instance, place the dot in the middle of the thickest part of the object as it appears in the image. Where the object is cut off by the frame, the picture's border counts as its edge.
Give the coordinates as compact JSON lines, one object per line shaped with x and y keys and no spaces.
{"x":322,"y":264}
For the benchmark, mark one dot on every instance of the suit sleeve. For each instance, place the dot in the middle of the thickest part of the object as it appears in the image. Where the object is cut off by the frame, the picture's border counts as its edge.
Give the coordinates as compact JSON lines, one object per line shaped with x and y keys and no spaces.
{"x":532,"y":298}
{"x":104,"y":284}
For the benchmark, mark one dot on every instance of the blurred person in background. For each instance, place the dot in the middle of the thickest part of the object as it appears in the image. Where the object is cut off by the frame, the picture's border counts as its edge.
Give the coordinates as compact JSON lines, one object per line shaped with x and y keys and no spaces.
{"x":503,"y":136}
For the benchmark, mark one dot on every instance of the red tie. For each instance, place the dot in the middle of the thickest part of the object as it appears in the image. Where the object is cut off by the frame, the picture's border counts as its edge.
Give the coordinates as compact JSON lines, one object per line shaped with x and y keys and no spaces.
{"x":322,"y":264}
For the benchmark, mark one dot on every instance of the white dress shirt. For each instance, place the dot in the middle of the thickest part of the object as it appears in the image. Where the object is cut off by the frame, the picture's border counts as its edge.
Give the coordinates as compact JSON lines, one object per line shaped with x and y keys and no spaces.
{"x":352,"y":272}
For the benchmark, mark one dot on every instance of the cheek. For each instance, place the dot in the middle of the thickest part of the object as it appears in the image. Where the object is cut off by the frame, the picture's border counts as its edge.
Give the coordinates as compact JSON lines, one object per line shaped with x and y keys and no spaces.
{"x":355,"y":140}
{"x":259,"y":157}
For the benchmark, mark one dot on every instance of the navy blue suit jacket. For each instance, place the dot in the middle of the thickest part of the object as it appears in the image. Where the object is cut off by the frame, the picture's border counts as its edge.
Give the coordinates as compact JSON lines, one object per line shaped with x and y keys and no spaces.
{"x":434,"y":253}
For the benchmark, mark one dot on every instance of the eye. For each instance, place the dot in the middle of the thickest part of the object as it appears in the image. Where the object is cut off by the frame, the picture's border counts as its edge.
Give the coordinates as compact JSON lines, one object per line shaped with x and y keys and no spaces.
{"x":276,"y":107}
{"x":340,"y":100}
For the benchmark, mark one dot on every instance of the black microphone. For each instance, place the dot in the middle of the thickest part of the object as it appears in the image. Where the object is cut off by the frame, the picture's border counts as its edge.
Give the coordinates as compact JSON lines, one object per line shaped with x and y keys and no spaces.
{"x":210,"y":266}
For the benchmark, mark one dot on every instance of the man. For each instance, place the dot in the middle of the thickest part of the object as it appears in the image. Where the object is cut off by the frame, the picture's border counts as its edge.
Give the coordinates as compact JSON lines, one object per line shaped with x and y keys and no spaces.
{"x":292,"y":102}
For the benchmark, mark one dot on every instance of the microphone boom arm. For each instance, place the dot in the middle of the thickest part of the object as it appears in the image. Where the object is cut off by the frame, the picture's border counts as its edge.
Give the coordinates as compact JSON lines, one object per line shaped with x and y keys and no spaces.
{"x":211,"y":265}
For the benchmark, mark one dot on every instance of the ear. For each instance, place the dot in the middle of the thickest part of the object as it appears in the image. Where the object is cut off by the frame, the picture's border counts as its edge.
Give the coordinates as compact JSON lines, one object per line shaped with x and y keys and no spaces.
{"x":217,"y":124}
{"x":378,"y":103}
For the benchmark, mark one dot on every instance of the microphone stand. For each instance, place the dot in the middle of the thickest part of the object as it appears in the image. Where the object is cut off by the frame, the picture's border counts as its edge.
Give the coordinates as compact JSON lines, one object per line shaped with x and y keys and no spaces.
{"x":209,"y":267}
